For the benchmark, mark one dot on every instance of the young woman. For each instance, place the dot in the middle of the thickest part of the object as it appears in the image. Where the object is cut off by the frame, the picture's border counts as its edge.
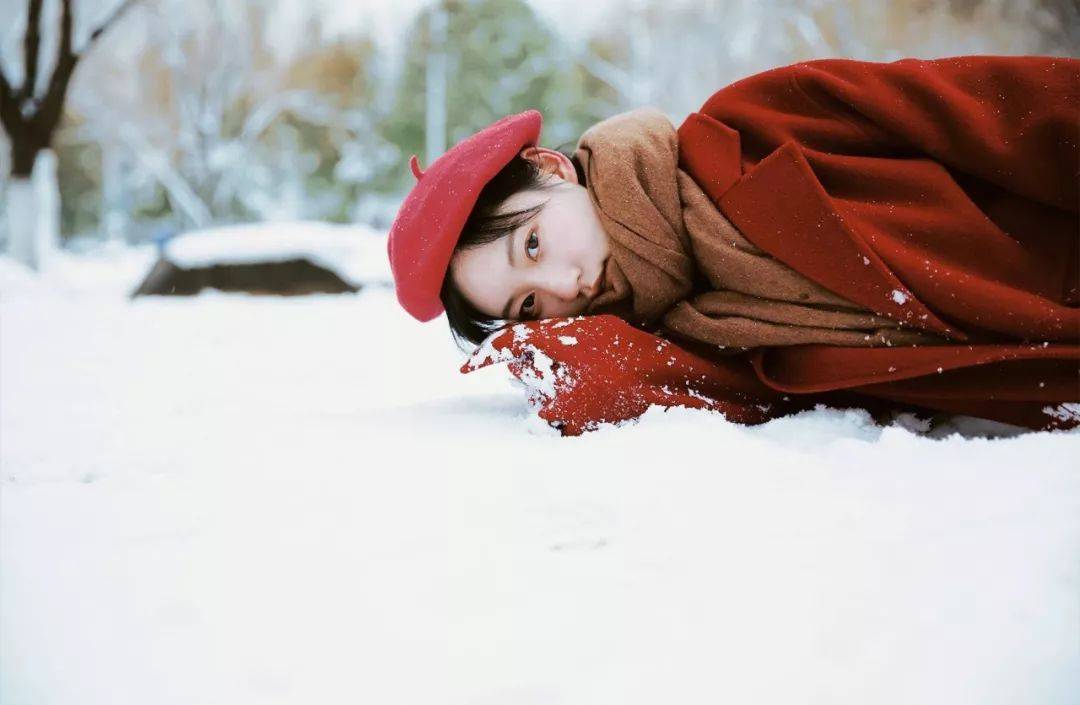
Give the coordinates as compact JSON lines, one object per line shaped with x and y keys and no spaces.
{"x":894,"y":235}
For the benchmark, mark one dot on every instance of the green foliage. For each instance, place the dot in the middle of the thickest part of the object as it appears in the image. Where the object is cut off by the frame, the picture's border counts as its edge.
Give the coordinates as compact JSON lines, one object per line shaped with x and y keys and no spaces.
{"x":502,"y":59}
{"x":79,"y":175}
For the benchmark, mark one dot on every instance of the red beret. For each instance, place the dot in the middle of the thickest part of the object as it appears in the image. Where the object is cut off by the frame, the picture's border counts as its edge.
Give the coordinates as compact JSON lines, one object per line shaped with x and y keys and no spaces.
{"x":430,"y":220}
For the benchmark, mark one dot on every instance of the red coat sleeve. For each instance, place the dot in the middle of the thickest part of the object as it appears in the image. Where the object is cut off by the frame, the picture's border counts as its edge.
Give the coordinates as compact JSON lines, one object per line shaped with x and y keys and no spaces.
{"x":971,"y":114}
{"x":589,"y":370}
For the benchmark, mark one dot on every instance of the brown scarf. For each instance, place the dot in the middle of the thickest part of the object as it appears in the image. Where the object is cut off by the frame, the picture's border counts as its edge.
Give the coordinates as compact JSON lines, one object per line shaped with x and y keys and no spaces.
{"x":677,"y":262}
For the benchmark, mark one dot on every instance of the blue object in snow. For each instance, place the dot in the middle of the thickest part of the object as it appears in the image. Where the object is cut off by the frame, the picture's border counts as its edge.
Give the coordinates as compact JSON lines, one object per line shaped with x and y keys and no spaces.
{"x":161,"y":236}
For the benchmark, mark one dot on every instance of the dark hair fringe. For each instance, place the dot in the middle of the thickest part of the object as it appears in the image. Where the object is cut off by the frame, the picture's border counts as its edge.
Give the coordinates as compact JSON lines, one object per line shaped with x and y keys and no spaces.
{"x":484,"y":225}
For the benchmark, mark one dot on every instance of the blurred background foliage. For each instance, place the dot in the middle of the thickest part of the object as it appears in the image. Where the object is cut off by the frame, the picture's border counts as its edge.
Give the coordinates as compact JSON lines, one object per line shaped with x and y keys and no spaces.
{"x":198,"y":112}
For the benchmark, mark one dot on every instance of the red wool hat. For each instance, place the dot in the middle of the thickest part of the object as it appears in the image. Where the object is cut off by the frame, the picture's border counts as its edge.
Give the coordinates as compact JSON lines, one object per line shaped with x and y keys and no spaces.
{"x":430,"y":220}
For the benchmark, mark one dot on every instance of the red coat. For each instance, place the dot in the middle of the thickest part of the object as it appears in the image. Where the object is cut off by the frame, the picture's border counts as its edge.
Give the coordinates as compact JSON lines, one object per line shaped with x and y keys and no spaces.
{"x":943,"y":194}
{"x":957,"y":180}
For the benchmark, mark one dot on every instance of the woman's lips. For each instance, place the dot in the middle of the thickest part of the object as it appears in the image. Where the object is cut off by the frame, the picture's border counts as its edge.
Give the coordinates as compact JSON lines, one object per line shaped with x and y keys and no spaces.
{"x":594,"y":289}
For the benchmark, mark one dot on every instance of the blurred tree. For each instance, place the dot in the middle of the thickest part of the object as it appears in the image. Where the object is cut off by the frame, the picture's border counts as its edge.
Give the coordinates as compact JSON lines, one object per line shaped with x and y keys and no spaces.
{"x":1055,"y":24}
{"x":201,"y":113}
{"x":501,"y":59}
{"x":230,"y":127}
{"x":348,"y":150}
{"x":695,"y":47}
{"x":30,"y":116}
{"x":30,"y":112}
{"x":80,"y":164}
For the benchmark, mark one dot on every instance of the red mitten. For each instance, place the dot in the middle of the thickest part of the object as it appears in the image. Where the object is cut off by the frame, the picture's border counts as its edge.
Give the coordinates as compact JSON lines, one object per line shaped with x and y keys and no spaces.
{"x":589,"y":370}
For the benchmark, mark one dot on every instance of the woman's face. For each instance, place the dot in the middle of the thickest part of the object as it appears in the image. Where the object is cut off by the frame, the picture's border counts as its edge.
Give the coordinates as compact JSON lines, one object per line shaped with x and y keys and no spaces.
{"x":551,"y":266}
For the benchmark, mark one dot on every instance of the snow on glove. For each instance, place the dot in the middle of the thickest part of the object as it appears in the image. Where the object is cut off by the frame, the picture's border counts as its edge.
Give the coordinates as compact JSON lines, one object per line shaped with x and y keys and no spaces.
{"x":588,"y":370}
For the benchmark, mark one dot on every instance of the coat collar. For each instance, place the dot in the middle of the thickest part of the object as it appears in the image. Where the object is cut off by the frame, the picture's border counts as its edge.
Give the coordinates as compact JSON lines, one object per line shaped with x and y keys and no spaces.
{"x":782,"y":208}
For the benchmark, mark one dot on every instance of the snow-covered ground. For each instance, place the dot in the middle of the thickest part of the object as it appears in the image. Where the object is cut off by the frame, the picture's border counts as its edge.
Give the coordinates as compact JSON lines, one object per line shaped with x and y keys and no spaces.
{"x":231,"y":499}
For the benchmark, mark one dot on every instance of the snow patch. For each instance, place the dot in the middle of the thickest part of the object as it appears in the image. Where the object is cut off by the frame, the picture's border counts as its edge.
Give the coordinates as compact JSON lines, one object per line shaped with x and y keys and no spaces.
{"x":1064,"y":412}
{"x":568,"y":321}
{"x":486,"y":353}
{"x":521,"y":332}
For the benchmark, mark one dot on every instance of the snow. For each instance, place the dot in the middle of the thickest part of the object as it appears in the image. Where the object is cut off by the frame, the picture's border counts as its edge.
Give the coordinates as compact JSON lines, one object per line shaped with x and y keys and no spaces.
{"x":899,"y":296}
{"x":240,"y":499}
{"x":356,"y":253}
{"x":1065,"y":412}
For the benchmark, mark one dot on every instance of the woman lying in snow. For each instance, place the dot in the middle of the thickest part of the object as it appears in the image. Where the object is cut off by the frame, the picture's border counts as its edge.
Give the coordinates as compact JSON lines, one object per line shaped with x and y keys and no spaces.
{"x":897,"y":236}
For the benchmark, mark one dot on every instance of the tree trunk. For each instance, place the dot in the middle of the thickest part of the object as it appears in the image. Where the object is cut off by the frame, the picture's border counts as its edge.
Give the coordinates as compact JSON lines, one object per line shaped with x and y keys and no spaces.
{"x":24,"y":152}
{"x":33,"y":213}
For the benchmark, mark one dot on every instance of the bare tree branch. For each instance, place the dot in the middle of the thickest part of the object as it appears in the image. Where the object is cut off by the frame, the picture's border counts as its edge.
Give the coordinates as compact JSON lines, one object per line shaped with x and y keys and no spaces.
{"x":52,"y":105}
{"x":8,"y":112}
{"x":100,"y":29}
{"x":67,"y":23}
{"x":6,"y":92}
{"x":31,"y":47}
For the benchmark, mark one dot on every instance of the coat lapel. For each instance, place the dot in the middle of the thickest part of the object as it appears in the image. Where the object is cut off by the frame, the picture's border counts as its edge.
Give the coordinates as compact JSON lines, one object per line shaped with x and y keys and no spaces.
{"x":710,"y":152}
{"x":782,"y":208}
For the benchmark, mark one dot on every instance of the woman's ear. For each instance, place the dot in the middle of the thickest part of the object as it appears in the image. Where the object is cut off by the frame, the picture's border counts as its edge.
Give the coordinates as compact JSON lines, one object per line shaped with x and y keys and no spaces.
{"x":552,"y":162}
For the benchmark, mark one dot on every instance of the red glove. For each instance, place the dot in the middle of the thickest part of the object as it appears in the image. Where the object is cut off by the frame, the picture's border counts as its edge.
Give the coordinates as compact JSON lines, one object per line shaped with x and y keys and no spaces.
{"x":585,"y":371}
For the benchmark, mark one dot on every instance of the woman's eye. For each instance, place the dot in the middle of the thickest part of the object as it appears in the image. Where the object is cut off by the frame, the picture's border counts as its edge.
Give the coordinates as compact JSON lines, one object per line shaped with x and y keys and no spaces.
{"x":532,"y":244}
{"x":527,"y":305}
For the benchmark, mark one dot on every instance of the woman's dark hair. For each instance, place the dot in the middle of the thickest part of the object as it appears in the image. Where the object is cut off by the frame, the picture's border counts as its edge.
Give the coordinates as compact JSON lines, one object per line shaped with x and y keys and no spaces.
{"x":485,"y":224}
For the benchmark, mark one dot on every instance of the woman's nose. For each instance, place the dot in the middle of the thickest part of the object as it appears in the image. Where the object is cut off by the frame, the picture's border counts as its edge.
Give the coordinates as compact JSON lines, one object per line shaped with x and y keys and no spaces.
{"x":564,"y":284}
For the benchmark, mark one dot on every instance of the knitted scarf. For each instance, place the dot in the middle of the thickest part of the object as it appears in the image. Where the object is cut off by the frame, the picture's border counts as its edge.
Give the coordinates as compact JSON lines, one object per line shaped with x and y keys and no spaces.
{"x":678,"y":264}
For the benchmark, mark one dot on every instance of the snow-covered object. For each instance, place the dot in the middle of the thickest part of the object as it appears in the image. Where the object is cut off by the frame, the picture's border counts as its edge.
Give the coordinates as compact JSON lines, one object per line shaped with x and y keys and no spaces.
{"x":356,"y":253}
